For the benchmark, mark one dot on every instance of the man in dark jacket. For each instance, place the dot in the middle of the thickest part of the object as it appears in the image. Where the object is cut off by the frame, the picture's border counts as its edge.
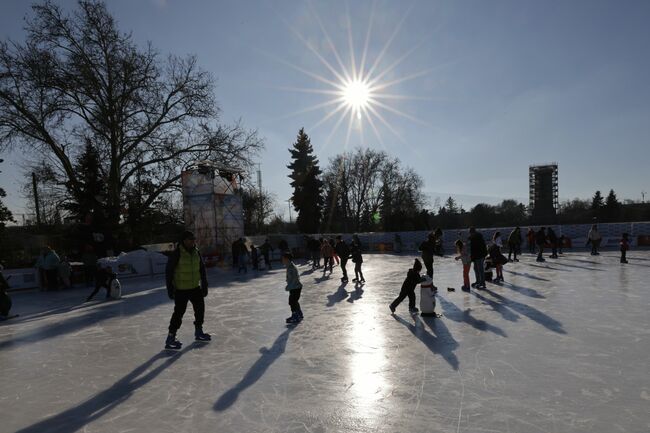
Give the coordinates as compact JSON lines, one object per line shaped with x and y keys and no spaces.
{"x":477,"y":251}
{"x":540,"y":240}
{"x":343,"y":252}
{"x":186,"y":281}
{"x":428,"y":249}
{"x":552,"y":239}
{"x":514,"y":243}
{"x":266,"y":250}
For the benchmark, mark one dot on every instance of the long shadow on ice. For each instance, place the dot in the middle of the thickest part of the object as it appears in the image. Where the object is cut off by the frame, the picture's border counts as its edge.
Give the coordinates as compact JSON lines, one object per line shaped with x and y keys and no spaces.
{"x":452,"y":312}
{"x":127,"y":306}
{"x":526,"y":310}
{"x":505,"y":312}
{"x":77,"y":417}
{"x":337,"y":296}
{"x":526,"y":291}
{"x":257,"y":370}
{"x":440,"y":341}
{"x":526,"y":274}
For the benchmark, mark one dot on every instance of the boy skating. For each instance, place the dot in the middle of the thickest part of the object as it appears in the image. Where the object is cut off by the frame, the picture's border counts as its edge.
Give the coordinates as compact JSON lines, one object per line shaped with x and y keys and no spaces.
{"x":413,"y":278}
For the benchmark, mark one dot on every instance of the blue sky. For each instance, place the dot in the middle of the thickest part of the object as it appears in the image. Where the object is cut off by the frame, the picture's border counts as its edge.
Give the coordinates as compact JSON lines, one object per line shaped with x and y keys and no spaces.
{"x":501,"y":85}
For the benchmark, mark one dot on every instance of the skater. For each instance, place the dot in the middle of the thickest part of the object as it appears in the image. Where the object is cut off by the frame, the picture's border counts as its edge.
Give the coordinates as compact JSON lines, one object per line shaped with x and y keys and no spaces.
{"x":235,"y":253}
{"x":530,"y":237}
{"x":478,"y":251}
{"x":343,"y":252}
{"x":540,"y":239}
{"x":413,"y":278}
{"x":594,"y":238}
{"x":255,"y":259}
{"x":294,"y":287}
{"x":314,"y":248}
{"x":439,"y":251}
{"x":428,"y":248}
{"x":357,"y":259}
{"x":51,"y":268}
{"x":327,"y":252}
{"x":625,"y":245}
{"x":463,"y":254}
{"x":560,"y":243}
{"x":552,"y":239}
{"x":104,"y":276}
{"x":186,"y":281}
{"x":496,"y":257}
{"x":5,"y":300}
{"x":266,"y":250}
{"x":335,"y":255}
{"x":64,"y":272}
{"x":514,"y":244}
{"x":243,"y":254}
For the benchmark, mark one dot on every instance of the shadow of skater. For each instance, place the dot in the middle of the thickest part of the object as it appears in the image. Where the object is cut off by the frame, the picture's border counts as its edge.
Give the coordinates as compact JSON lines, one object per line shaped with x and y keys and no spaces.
{"x":257,"y":370}
{"x":77,"y":417}
{"x":452,"y":312}
{"x":505,"y":312}
{"x":527,"y":275}
{"x":441,"y":343}
{"x":109,"y":310}
{"x":337,"y":296}
{"x":531,"y":312}
{"x":526,"y":291}
{"x":357,"y":294}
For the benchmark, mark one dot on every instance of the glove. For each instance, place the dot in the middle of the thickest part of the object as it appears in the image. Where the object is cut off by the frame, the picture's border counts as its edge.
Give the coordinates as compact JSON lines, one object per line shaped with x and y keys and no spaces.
{"x":204,"y":290}
{"x":171,"y":291}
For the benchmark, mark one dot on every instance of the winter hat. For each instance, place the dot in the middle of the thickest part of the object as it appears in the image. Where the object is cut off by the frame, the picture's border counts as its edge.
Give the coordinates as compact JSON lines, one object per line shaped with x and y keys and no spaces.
{"x":187,"y":235}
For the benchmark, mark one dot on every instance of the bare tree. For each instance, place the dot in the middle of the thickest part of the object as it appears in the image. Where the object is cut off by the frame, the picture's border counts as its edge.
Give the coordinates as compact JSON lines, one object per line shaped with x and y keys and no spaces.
{"x":78,"y":79}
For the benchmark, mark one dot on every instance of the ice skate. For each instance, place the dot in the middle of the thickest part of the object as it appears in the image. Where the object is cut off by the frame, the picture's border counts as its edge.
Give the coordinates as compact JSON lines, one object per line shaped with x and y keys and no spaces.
{"x":199,"y":335}
{"x":172,"y":342}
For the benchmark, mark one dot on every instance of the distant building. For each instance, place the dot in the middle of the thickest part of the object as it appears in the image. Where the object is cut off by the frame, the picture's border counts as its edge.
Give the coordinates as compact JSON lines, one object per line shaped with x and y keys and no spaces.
{"x":543,"y":182}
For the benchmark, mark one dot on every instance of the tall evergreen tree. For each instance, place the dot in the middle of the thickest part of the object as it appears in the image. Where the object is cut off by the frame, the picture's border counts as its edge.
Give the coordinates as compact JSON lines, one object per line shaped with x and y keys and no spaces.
{"x":612,"y":206}
{"x":597,"y":201}
{"x":305,"y":179}
{"x":89,"y":198}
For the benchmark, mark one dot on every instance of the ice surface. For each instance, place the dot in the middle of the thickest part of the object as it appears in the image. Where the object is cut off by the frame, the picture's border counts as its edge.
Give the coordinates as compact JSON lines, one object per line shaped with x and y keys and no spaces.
{"x":560,"y":347}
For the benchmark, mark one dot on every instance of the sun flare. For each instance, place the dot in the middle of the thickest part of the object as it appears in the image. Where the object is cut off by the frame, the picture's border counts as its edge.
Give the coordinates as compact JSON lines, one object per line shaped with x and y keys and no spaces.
{"x":357,"y":95}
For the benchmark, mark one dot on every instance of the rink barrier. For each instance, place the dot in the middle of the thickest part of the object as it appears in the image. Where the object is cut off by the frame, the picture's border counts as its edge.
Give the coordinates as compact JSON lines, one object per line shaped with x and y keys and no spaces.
{"x":575,"y":235}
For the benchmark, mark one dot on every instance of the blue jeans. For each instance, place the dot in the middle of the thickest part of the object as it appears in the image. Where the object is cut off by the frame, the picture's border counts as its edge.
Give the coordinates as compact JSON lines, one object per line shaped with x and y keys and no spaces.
{"x":479,"y":271}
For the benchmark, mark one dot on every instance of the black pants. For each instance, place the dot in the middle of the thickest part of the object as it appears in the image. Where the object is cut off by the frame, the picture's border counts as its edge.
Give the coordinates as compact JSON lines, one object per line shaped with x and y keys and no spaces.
{"x":52,"y":276}
{"x":267,"y":261}
{"x":554,"y":249}
{"x":623,"y":256}
{"x":429,"y":265}
{"x":513,"y":249}
{"x":540,"y":251}
{"x":403,"y":294}
{"x":344,"y":263}
{"x":357,"y":270}
{"x":294,"y":296}
{"x":328,"y":261}
{"x":195,"y":296}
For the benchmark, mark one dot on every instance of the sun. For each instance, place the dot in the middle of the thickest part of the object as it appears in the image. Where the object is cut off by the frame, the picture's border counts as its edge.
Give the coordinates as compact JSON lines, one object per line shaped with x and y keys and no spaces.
{"x":356,"y":91}
{"x":357,"y":95}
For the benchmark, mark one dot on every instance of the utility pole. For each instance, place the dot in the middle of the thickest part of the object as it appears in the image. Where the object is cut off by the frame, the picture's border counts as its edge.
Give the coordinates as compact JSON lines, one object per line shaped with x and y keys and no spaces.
{"x":643,"y":196}
{"x":289,"y":201}
{"x":38,"y":211}
{"x":261,"y":198}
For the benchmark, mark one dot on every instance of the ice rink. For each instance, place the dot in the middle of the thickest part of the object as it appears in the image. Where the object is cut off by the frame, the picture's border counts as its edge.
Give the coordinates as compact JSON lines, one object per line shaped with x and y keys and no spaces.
{"x":560,"y":347}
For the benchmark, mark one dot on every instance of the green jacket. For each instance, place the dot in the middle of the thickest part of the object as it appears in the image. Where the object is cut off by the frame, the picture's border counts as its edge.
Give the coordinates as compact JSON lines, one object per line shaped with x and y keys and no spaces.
{"x":185,"y":271}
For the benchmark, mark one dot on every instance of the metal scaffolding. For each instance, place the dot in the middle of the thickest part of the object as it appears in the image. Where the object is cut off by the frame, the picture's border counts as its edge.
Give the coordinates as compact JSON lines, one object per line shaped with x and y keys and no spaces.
{"x":213,"y":207}
{"x":544,"y":190}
